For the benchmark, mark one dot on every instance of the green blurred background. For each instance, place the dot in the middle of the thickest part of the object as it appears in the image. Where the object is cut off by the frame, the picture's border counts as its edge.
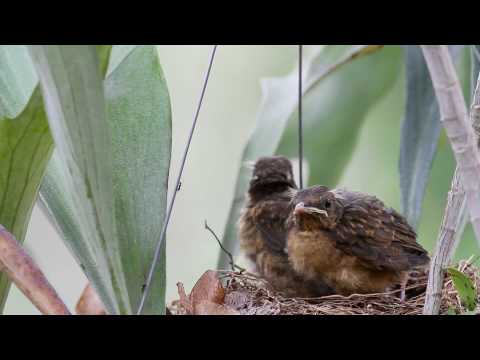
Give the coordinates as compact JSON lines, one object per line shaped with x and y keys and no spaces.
{"x":226,"y":120}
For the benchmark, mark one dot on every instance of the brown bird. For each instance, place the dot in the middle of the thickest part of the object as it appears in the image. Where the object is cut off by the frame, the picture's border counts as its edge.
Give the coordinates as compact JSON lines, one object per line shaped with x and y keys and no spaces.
{"x":262,"y":228}
{"x":351,"y":241}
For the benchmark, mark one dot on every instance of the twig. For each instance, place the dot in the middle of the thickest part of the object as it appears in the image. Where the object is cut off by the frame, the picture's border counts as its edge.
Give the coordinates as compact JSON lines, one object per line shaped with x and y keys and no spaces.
{"x":146,"y":288}
{"x":464,"y":144}
{"x":28,"y":277}
{"x":300,"y":120}
{"x":229,"y":254}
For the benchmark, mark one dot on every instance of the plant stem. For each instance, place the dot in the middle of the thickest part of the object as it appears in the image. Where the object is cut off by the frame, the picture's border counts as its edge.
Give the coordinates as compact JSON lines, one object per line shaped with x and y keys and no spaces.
{"x":28,"y":277}
{"x":465,"y":185}
{"x":300,"y":120}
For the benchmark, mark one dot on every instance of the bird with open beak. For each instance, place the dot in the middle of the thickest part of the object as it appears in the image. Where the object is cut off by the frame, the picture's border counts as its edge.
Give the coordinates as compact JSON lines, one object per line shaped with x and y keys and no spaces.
{"x":351,"y":241}
{"x":262,"y":228}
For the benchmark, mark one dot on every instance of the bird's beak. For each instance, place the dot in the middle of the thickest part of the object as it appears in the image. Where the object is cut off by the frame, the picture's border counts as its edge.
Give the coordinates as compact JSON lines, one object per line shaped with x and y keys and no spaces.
{"x":300,"y":208}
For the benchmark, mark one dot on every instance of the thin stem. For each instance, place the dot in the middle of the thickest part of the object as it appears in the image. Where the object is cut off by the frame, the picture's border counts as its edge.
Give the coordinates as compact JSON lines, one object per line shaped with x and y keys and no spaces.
{"x":177,"y":187}
{"x":300,"y":120}
{"x":229,"y":254}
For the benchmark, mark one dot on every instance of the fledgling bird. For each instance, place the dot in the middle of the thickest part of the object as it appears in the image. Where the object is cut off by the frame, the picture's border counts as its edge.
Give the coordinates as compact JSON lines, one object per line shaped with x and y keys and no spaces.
{"x":351,"y":241}
{"x":262,"y":228}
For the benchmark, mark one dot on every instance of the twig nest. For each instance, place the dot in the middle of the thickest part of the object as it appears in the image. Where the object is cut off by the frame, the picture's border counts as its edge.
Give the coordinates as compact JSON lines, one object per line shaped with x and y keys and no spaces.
{"x":247,"y":294}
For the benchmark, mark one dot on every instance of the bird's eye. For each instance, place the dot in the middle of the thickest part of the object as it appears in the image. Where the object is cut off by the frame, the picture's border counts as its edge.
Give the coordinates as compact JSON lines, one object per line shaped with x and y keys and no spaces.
{"x":327,"y":204}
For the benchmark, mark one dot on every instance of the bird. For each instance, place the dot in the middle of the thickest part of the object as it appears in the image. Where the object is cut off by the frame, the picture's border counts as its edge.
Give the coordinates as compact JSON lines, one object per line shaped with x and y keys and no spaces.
{"x":262,"y":231}
{"x":351,"y":241}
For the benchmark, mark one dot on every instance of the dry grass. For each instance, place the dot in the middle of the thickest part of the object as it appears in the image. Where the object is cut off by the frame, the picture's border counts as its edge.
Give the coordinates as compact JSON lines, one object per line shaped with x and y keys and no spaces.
{"x":251,"y":295}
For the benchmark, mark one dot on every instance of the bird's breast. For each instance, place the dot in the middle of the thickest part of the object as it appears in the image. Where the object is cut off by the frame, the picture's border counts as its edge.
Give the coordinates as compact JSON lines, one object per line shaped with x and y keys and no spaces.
{"x":313,"y":253}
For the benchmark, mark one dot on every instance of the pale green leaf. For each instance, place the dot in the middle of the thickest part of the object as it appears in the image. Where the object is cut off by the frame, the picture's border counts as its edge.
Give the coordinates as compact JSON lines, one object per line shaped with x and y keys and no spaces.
{"x":25,"y":148}
{"x":139,"y":128}
{"x":334,"y":113}
{"x":420,"y":132}
{"x":17,"y":79}
{"x":72,"y":88}
{"x":140,"y":121}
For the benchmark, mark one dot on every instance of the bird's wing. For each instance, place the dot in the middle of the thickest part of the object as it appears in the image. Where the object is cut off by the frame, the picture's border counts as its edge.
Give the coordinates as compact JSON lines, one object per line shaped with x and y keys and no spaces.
{"x":269,"y":217}
{"x":380,"y":237}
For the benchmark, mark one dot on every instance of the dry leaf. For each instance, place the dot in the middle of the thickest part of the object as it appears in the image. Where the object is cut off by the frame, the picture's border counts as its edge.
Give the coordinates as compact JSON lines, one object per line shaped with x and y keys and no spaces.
{"x":28,"y":277}
{"x":206,"y":298}
{"x":89,"y":303}
{"x":207,"y":288}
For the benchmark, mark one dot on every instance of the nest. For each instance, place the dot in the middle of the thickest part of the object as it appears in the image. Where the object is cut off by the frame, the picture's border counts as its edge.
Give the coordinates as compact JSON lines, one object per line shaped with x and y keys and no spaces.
{"x":248,"y":294}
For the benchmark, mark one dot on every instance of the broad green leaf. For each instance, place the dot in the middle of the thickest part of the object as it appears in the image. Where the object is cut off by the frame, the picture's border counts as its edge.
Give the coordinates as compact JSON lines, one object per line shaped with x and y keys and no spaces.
{"x":117,"y":55}
{"x":334,"y":113}
{"x":25,"y":148}
{"x":25,"y":144}
{"x":334,"y":108}
{"x":72,"y":88}
{"x":140,"y":121}
{"x":139,"y":125}
{"x":17,"y":80}
{"x":465,"y":288}
{"x":420,"y":132}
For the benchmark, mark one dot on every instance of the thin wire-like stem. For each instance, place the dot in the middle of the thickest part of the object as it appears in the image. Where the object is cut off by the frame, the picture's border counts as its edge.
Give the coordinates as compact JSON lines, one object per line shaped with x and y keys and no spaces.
{"x":300,"y":120}
{"x":177,"y":187}
{"x":228,"y":253}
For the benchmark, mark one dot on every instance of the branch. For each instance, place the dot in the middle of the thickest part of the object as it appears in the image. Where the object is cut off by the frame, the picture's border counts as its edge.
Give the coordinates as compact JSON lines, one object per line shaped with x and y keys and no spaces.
{"x":23,"y":271}
{"x":462,"y":137}
{"x":227,"y":253}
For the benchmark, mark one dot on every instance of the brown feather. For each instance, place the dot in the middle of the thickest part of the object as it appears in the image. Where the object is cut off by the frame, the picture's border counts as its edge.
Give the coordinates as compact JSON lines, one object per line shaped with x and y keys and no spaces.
{"x":361,"y":246}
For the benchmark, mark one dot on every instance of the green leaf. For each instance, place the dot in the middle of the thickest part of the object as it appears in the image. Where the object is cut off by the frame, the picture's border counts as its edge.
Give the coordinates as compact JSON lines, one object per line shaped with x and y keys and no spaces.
{"x":117,"y":55}
{"x":25,"y":148}
{"x":334,"y":108}
{"x":74,"y":99}
{"x":139,"y":115}
{"x":25,"y":144}
{"x":465,"y":288}
{"x":451,"y":311}
{"x":17,"y":80}
{"x":420,"y":132}
{"x":138,"y":123}
{"x":103,"y":53}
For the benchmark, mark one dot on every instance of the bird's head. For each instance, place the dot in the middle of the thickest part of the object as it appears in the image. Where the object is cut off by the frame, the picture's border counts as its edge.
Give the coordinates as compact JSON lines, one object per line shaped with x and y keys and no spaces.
{"x":316,"y":208}
{"x":272,"y":174}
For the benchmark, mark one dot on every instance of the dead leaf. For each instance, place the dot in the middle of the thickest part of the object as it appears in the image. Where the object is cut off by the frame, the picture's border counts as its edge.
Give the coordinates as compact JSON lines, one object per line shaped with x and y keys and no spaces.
{"x":89,"y":303}
{"x":207,"y":288}
{"x":206,"y":298}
